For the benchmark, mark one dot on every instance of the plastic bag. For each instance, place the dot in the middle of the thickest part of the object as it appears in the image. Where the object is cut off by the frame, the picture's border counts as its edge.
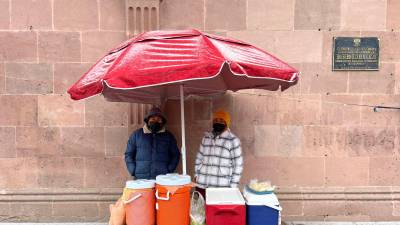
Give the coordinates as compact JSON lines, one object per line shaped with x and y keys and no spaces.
{"x":261,"y":186}
{"x":117,"y":213}
{"x":197,"y":209}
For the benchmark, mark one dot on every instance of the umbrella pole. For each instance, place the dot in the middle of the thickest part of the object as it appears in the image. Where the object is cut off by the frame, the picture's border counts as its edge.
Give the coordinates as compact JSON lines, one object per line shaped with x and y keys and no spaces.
{"x":183,"y":149}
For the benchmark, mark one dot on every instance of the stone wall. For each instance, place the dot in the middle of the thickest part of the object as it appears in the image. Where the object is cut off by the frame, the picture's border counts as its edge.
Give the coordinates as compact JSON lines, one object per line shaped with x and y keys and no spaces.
{"x":331,"y":161}
{"x":63,"y":160}
{"x":57,"y":155}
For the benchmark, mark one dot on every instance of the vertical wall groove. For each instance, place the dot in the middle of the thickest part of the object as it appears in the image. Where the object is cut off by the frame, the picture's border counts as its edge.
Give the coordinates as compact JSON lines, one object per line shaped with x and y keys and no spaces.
{"x":142,"y":16}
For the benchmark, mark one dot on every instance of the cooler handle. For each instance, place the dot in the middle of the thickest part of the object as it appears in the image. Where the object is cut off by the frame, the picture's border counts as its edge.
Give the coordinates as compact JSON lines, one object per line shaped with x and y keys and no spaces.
{"x":132,"y":199}
{"x":227,"y":209}
{"x":162,"y":198}
{"x":274,"y":207}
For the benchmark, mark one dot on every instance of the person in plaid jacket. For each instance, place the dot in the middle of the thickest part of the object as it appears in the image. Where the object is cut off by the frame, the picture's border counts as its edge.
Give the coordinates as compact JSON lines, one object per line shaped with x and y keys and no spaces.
{"x":219,"y":162}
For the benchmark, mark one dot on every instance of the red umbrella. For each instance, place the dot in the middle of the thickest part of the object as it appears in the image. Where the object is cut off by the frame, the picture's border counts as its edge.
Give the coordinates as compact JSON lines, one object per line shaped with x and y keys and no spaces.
{"x":159,"y":65}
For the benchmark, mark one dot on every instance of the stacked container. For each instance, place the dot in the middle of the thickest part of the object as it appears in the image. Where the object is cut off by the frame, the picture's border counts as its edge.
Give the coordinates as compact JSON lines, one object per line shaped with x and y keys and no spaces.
{"x":139,"y":202}
{"x":225,"y":206}
{"x":262,"y":209}
{"x":173,"y":199}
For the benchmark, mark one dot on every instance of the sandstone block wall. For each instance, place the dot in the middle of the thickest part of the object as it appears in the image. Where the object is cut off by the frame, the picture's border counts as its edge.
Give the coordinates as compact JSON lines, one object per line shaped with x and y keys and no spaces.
{"x":62,"y":160}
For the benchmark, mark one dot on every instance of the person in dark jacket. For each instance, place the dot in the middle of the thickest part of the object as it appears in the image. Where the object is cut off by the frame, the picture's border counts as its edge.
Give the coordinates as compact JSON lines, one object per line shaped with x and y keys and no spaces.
{"x":152,"y":150}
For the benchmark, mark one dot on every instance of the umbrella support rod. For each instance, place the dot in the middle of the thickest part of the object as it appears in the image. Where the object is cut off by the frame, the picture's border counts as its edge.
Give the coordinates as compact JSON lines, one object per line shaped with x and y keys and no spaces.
{"x":183,"y":149}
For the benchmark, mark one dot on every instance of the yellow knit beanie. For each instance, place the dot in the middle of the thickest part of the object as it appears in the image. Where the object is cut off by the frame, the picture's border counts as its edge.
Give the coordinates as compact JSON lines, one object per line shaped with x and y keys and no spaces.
{"x":222,"y":114}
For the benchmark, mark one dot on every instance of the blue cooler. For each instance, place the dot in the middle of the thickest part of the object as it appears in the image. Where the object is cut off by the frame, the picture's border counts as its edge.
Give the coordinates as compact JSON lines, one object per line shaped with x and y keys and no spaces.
{"x":262,"y":209}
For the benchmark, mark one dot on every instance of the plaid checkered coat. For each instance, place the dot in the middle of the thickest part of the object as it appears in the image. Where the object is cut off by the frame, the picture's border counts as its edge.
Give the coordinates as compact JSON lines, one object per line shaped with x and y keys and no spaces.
{"x":219,"y":162}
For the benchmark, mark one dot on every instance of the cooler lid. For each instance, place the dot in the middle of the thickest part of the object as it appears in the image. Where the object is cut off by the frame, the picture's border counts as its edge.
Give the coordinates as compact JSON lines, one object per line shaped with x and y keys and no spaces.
{"x":224,"y":196}
{"x":173,"y":179}
{"x":140,"y":184}
{"x":256,"y":199}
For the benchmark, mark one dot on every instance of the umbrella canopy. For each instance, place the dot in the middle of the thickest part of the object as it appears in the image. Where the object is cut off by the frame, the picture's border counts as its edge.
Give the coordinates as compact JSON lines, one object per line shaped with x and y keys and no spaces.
{"x":149,"y":68}
{"x":159,"y":65}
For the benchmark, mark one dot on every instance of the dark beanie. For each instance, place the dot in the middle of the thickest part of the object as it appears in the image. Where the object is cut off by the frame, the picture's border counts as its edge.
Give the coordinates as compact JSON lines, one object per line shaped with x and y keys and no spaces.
{"x":155,"y":111}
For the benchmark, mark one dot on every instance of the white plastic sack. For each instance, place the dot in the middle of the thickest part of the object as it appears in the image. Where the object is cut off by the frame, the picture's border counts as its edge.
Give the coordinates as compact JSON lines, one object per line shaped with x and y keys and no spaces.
{"x":197,"y":209}
{"x":261,"y":186}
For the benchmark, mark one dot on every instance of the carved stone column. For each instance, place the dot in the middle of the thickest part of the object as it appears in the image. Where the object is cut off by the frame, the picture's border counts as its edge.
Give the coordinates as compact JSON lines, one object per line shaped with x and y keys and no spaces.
{"x":142,"y":15}
{"x":137,"y":114}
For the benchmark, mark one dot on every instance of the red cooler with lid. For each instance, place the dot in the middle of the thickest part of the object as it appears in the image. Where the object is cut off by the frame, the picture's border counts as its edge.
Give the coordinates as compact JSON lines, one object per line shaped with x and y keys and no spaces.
{"x":225,"y":206}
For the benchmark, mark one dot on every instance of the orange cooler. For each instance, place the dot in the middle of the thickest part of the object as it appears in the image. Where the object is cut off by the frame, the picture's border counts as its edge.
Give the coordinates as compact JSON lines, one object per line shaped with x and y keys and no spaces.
{"x":173,"y":199}
{"x":140,"y":202}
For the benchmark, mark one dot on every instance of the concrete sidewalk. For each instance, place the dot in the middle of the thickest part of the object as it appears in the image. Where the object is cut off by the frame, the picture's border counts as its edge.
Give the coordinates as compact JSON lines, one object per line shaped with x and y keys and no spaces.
{"x":53,"y":223}
{"x":285,"y":223}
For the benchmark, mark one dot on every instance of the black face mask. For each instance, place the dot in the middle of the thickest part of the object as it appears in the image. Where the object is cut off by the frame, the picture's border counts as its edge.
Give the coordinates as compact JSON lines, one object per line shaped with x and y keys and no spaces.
{"x":218,"y":127}
{"x":154,"y":127}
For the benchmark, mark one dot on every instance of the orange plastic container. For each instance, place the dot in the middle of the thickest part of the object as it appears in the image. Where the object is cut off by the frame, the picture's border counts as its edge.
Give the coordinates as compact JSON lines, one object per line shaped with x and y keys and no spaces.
{"x":173,"y":199}
{"x":139,"y":200}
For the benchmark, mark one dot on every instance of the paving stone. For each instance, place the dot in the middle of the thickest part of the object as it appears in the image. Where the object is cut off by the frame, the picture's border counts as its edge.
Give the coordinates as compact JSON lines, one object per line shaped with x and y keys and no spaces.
{"x":31,"y":211}
{"x":175,"y":14}
{"x":393,"y":16}
{"x":284,"y":44}
{"x":270,"y":15}
{"x":18,"y":173}
{"x":278,"y":171}
{"x":116,"y":139}
{"x":382,"y":81}
{"x":28,"y":78}
{"x":82,"y":141}
{"x":324,"y":208}
{"x":4,"y":14}
{"x":341,"y":110}
{"x":7,"y":142}
{"x":232,"y":19}
{"x":38,"y":141}
{"x":59,"y":47}
{"x":315,"y":15}
{"x":26,"y":42}
{"x":61,"y":172}
{"x":380,"y":117}
{"x":345,"y":171}
{"x":112,"y":15}
{"x":31,"y":15}
{"x":106,"y":172}
{"x":66,"y":74}
{"x":22,"y":110}
{"x":76,"y":15}
{"x":371,"y":141}
{"x":278,"y":141}
{"x":60,"y":110}
{"x":99,"y":112}
{"x":353,"y":16}
{"x":324,"y":141}
{"x":96,"y":44}
{"x":2,"y":78}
